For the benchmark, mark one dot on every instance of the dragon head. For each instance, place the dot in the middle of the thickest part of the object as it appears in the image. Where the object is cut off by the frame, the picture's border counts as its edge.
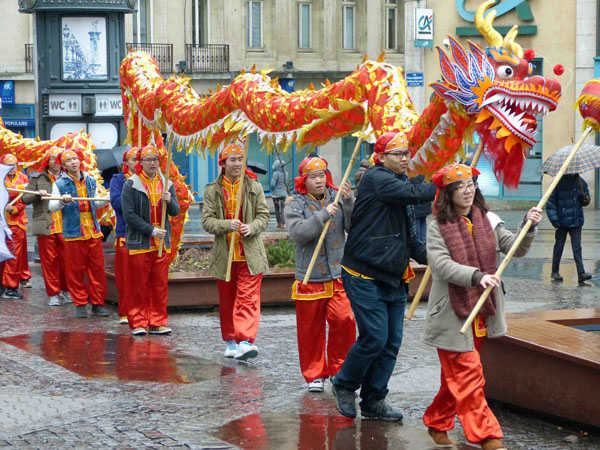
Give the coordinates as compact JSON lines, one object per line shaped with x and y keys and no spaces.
{"x":496,"y":85}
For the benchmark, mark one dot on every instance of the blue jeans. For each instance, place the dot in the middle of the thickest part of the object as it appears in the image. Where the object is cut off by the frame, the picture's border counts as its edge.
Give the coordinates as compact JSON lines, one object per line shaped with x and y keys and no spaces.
{"x":379,"y":312}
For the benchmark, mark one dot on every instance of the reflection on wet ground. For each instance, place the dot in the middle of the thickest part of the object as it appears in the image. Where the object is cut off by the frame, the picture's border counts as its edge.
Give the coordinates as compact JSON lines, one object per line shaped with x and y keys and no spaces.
{"x":116,"y":356}
{"x":321,"y":432}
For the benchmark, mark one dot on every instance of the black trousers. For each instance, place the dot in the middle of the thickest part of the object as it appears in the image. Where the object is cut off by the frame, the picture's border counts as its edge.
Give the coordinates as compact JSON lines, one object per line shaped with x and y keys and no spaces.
{"x":279,"y":203}
{"x":560,"y":237}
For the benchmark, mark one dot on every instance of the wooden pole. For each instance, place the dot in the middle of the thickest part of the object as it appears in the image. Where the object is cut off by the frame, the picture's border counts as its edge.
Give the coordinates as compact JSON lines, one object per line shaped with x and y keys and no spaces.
{"x":524,"y":231}
{"x":238,"y":206}
{"x":313,"y":260}
{"x":163,"y":219}
{"x":81,"y":199}
{"x":139,"y":127}
{"x":427,"y":274}
{"x":16,"y":199}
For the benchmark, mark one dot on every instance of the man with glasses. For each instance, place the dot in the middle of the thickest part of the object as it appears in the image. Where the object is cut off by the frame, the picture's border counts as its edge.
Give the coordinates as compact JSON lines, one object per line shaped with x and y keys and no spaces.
{"x":83,"y":253}
{"x":144,"y":196}
{"x":381,"y":240}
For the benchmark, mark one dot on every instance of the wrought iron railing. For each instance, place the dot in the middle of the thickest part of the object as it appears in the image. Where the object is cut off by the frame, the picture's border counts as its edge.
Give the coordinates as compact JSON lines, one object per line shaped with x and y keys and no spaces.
{"x":207,"y":58}
{"x":162,"y":53}
{"x":28,"y":58}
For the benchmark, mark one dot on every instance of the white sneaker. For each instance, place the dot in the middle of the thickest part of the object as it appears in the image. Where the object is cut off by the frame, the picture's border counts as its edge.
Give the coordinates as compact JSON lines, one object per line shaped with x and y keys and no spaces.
{"x":317,"y":385}
{"x":66,"y":297}
{"x":245,"y":351}
{"x":230,"y":349}
{"x":54,"y":301}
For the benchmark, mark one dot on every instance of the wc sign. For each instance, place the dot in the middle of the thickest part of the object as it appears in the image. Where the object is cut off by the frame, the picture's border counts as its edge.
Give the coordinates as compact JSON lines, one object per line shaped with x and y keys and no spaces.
{"x":423,"y":27}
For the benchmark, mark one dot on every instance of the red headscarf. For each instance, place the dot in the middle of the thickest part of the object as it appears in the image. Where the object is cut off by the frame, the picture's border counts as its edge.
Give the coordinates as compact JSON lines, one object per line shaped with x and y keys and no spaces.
{"x":9,"y":159}
{"x":52,"y":151}
{"x":312,"y":165}
{"x":450,"y":174}
{"x":234,"y":149}
{"x":141,"y":153}
{"x":389,"y":142}
{"x":126,"y":156}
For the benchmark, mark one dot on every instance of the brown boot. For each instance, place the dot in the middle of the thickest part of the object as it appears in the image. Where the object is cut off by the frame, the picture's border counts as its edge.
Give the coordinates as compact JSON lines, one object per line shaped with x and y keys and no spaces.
{"x":440,"y":438}
{"x":492,"y":444}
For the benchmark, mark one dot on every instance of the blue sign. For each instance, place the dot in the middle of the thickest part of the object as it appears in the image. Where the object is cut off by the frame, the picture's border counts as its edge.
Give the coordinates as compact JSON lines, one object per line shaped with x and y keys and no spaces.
{"x":521,"y":6}
{"x":287,"y":84}
{"x":414,"y":78}
{"x":19,"y":123}
{"x":423,"y":43}
{"x":8,"y":92}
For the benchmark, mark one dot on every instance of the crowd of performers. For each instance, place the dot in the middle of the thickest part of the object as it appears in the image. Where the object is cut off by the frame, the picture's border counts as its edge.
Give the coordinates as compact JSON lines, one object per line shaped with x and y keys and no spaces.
{"x":359,"y":279}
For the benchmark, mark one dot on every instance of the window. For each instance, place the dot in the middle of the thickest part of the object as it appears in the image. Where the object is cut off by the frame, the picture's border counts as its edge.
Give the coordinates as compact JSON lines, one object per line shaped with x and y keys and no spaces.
{"x":140,"y":23}
{"x":348,"y":144}
{"x":254,"y":24}
{"x":391,"y":24}
{"x":348,"y":11}
{"x":199,"y":22}
{"x":304,"y":28}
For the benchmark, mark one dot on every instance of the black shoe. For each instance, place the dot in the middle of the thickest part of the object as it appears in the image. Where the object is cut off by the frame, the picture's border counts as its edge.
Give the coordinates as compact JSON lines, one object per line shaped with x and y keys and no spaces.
{"x":584,"y":277}
{"x":556,"y":276}
{"x":11,"y":293}
{"x":380,"y":409}
{"x":99,"y":310}
{"x":2,"y":289}
{"x":81,"y":311}
{"x":345,"y":400}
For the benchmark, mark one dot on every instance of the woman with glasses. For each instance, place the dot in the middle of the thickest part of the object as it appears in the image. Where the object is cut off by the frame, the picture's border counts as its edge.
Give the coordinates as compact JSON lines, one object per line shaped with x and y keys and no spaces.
{"x":462,"y":243}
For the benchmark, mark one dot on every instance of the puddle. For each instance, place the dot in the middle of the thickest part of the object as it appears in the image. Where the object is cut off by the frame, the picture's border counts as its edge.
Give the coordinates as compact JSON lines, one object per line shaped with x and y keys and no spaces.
{"x":116,"y":356}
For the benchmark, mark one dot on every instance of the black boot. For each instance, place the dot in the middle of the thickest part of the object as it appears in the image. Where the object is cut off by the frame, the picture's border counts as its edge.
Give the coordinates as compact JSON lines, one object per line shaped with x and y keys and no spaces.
{"x":556,"y":276}
{"x":346,"y":401}
{"x":584,"y":277}
{"x":380,"y":409}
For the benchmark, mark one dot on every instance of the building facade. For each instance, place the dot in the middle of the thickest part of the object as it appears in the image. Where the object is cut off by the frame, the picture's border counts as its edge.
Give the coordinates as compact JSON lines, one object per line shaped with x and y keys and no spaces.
{"x":311,"y":41}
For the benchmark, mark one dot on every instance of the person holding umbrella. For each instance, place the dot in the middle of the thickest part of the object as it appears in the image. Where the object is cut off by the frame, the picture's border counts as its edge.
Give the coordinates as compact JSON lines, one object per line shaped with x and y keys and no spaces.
{"x":565,"y":204}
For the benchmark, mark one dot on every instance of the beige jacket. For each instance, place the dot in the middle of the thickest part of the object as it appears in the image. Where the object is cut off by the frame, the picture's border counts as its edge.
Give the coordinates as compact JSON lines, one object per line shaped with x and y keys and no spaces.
{"x":442,"y":325}
{"x":255,"y":214}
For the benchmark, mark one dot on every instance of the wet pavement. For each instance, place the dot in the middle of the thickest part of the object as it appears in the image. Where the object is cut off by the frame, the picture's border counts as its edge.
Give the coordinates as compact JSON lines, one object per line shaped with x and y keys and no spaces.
{"x":87,"y":383}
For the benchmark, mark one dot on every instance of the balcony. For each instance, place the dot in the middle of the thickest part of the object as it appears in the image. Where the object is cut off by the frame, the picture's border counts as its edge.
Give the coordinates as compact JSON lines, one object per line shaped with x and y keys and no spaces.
{"x":28,"y":58}
{"x":162,"y":53}
{"x":203,"y":58}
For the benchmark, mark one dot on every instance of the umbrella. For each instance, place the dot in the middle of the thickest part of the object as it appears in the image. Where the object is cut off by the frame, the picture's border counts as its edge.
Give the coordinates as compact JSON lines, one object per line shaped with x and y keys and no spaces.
{"x":587,"y":158}
{"x":107,"y":158}
{"x":256,"y":167}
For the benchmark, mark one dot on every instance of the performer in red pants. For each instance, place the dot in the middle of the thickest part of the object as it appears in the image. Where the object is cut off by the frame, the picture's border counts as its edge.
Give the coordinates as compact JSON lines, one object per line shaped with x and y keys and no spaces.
{"x":322,"y":301}
{"x":142,"y":200}
{"x":47,"y":226}
{"x":16,"y":270}
{"x":84,"y":256}
{"x":121,"y":253}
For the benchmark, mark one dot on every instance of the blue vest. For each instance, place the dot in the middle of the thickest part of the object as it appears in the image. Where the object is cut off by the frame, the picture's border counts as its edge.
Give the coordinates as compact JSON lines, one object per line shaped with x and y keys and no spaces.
{"x":70,"y":212}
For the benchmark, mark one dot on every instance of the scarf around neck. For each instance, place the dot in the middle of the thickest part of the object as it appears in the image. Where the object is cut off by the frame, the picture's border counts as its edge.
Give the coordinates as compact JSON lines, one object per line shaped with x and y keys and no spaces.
{"x":476,"y":250}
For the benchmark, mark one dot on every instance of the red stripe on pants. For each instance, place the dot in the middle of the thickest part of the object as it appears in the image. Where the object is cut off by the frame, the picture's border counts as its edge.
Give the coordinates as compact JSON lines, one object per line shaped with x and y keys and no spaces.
{"x":51,"y":249}
{"x":311,"y":316}
{"x":461,"y":392}
{"x":85,"y":258}
{"x":121,"y":261}
{"x":147,"y":289}
{"x":16,"y":269}
{"x":239,"y":304}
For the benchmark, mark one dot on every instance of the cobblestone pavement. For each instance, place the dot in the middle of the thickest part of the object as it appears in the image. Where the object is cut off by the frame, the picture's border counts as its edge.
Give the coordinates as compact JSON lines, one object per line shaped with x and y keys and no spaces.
{"x":86,"y":383}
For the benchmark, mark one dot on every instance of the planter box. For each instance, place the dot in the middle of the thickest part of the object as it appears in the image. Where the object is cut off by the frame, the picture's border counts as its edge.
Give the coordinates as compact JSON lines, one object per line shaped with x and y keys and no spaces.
{"x":413,"y":284}
{"x":193,"y":289}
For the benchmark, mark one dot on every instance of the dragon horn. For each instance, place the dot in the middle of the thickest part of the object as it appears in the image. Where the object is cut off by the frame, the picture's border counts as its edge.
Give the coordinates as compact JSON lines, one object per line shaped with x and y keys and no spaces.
{"x":509,"y":42}
{"x":484,"y":25}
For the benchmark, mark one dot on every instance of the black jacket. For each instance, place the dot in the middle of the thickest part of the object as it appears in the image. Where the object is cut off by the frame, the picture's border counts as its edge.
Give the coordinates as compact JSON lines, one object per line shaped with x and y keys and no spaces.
{"x":379,"y":243}
{"x":136,"y":212}
{"x":565,"y":204}
{"x":422,"y":209}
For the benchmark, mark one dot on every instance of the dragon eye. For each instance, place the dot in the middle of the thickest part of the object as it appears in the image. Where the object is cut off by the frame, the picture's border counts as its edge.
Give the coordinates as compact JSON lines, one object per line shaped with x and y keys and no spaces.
{"x":506,"y":72}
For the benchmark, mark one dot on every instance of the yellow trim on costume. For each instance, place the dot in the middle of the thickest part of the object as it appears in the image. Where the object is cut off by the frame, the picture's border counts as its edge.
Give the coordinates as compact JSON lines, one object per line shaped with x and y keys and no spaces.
{"x":354,"y":273}
{"x":327,"y":291}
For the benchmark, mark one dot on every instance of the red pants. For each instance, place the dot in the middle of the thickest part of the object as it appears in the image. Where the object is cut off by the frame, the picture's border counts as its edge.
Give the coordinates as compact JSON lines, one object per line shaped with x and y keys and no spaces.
{"x":147,"y":289}
{"x":311,"y":316}
{"x":51,"y":250}
{"x":121,"y":261}
{"x":239,"y":304}
{"x":462,"y":393}
{"x":85,"y":258}
{"x":17,"y":269}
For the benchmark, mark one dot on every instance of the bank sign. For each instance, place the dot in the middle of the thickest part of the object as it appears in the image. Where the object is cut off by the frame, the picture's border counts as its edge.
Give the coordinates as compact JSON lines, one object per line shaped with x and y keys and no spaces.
{"x":521,"y":7}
